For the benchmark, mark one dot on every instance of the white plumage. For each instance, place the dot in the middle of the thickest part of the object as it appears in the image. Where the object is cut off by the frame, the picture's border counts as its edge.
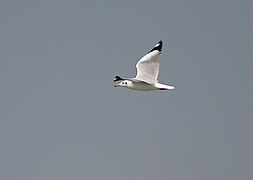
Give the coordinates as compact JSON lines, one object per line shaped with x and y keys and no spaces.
{"x":147,"y":73}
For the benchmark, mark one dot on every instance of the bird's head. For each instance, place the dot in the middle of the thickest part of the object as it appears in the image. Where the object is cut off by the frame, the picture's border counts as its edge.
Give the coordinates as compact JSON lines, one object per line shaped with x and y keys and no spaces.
{"x":124,"y":83}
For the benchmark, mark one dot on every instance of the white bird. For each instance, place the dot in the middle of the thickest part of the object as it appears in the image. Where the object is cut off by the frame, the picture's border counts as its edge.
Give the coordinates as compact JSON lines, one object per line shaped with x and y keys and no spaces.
{"x":147,"y":73}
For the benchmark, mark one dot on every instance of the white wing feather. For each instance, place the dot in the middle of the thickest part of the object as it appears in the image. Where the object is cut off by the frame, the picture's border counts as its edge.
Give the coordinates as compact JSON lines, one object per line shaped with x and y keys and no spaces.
{"x":148,"y":65}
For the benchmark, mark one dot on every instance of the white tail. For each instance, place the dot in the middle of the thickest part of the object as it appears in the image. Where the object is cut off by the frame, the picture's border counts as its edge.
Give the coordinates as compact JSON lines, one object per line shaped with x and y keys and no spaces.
{"x":164,"y":87}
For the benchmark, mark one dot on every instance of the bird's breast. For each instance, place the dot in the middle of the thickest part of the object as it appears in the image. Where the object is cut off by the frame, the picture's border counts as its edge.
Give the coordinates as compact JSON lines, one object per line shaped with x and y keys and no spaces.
{"x":141,"y":86}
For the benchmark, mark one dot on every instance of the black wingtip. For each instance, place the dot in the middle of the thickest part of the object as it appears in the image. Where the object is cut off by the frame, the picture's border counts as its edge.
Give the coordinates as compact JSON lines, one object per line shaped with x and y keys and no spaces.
{"x":117,"y":78}
{"x":157,"y":47}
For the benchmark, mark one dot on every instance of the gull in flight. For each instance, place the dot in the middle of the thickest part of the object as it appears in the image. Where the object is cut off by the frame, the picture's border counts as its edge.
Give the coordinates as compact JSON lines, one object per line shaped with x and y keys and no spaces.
{"x":147,"y":73}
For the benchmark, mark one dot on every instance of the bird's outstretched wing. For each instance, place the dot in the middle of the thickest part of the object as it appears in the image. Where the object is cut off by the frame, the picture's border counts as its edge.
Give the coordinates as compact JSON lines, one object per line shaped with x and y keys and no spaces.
{"x":148,"y":66}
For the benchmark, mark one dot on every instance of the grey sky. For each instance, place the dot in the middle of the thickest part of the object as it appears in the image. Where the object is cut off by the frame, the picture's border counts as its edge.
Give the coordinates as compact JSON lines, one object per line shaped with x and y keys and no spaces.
{"x":61,"y":118}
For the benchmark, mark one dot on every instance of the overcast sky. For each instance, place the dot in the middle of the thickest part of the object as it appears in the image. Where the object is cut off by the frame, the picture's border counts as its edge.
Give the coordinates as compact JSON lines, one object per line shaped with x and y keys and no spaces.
{"x":61,"y":118}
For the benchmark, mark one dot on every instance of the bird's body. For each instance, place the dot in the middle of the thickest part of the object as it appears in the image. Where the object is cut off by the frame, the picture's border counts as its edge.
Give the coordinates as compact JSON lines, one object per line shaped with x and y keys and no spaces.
{"x":143,"y":86}
{"x":147,"y":73}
